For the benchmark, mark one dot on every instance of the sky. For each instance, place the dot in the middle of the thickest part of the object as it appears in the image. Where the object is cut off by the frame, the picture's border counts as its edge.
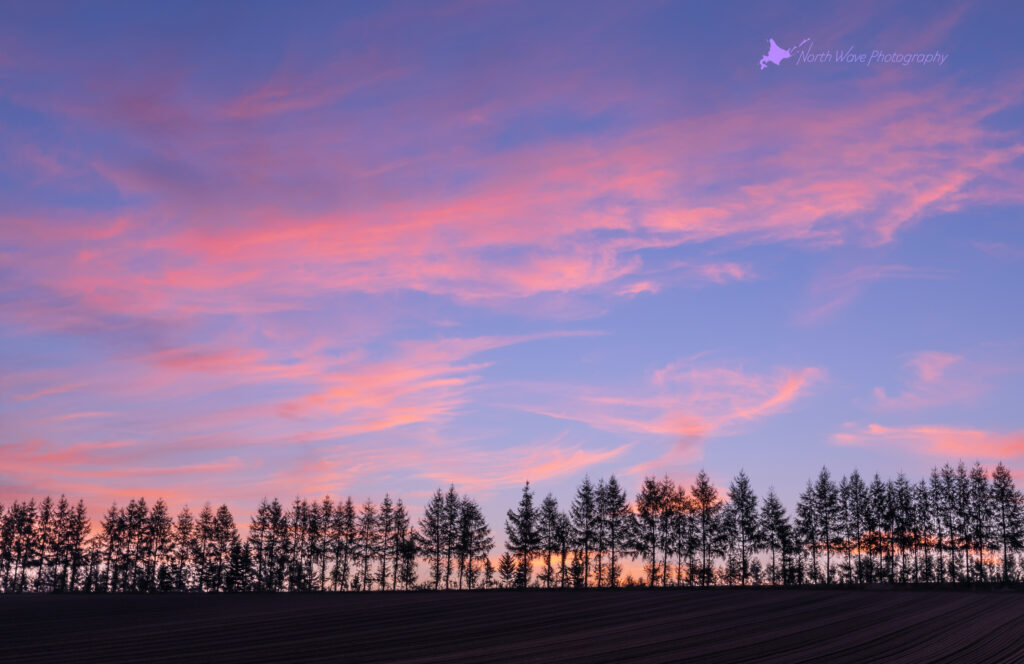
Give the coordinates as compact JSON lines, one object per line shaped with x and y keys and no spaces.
{"x":255,"y":250}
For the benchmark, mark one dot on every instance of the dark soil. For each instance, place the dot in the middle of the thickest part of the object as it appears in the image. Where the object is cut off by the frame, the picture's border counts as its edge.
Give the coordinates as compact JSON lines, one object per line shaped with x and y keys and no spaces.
{"x":719,"y":625}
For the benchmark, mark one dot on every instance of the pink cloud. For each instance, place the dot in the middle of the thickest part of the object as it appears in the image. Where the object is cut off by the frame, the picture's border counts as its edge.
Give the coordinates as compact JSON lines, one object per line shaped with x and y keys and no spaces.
{"x":1001,"y":250}
{"x":230,"y":210}
{"x":934,"y":378}
{"x":939,"y":440}
{"x":721,"y":273}
{"x":485,"y":472}
{"x":930,"y":365}
{"x":831,"y":293}
{"x":558,"y":216}
{"x":684,"y":404}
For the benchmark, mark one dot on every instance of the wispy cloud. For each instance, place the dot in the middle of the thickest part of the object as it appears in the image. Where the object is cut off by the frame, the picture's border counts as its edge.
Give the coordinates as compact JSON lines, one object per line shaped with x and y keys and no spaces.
{"x":939,"y":441}
{"x":831,"y":293}
{"x":683,"y":404}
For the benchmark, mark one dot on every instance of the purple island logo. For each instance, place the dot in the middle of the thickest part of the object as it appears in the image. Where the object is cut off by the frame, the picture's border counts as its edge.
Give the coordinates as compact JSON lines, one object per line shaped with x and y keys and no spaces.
{"x":776,"y":54}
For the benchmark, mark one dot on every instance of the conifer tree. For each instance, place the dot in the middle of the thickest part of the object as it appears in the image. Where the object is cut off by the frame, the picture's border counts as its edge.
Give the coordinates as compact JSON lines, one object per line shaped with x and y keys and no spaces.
{"x":650,"y":502}
{"x":808,"y":527}
{"x":744,"y":521}
{"x":548,"y":527}
{"x":367,"y":543}
{"x":584,"y":522}
{"x":523,"y":535}
{"x":156,"y":546}
{"x":1006,"y":504}
{"x":183,"y":576}
{"x":408,"y":550}
{"x":432,"y":536}
{"x":343,"y":532}
{"x":980,"y":514}
{"x":564,"y":541}
{"x":827,"y":513}
{"x":111,"y":539}
{"x":615,"y":518}
{"x":707,"y":507}
{"x":507,"y":570}
{"x":776,"y":530}
{"x":205,"y":549}
{"x":224,"y":539}
{"x":488,"y":573}
{"x":45,"y":545}
{"x":398,"y":541}
{"x":474,"y":541}
{"x":450,"y":527}
{"x":385,"y":538}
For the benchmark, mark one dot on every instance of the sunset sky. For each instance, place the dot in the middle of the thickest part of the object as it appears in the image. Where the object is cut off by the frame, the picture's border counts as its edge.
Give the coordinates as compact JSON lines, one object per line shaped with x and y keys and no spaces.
{"x":250,"y":250}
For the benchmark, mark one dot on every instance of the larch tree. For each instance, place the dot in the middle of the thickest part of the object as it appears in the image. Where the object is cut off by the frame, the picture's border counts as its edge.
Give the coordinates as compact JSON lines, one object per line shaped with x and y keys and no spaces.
{"x":613,"y":507}
{"x":775,"y":528}
{"x":707,"y":507}
{"x":651,"y":501}
{"x":827,"y":516}
{"x":385,"y":537}
{"x":523,"y":535}
{"x":367,"y":543}
{"x":507,"y":570}
{"x":745,"y":522}
{"x":1006,"y":503}
{"x":433,"y":532}
{"x":548,"y":531}
{"x":584,"y":523}
{"x":344,"y":534}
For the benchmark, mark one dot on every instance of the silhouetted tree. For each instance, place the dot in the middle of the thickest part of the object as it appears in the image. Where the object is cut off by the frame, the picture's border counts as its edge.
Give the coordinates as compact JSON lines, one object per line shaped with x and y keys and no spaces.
{"x":584,"y":522}
{"x":183,"y":573}
{"x":853,"y":496}
{"x":1006,"y":503}
{"x":300,"y":546}
{"x":960,"y":524}
{"x":206,"y":549}
{"x":343,"y":533}
{"x":775,"y":529}
{"x":827,"y":515}
{"x":507,"y":570}
{"x":488,"y":573}
{"x":367,"y":543}
{"x":18,"y":540}
{"x":564,"y":541}
{"x":385,"y":537}
{"x":547,"y":526}
{"x":474,"y":541}
{"x":744,"y":531}
{"x":980,"y":515}
{"x":523,"y":535}
{"x":239,"y":573}
{"x":407,"y":552}
{"x":398,"y":542}
{"x":111,"y":543}
{"x":706,"y":506}
{"x":651,"y":501}
{"x":156,"y":546}
{"x":433,"y":534}
{"x":452,"y":505}
{"x":808,"y":526}
{"x":615,"y":521}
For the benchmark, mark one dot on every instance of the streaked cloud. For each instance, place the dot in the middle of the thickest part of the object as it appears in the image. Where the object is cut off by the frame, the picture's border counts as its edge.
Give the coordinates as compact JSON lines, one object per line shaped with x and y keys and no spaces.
{"x":940,"y":441}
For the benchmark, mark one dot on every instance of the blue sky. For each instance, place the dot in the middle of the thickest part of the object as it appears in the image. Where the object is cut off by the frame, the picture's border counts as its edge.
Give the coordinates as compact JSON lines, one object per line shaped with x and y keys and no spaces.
{"x":249,"y":250}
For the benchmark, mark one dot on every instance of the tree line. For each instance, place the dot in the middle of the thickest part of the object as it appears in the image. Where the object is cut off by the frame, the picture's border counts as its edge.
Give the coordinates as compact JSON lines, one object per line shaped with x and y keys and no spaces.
{"x":958,"y":525}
